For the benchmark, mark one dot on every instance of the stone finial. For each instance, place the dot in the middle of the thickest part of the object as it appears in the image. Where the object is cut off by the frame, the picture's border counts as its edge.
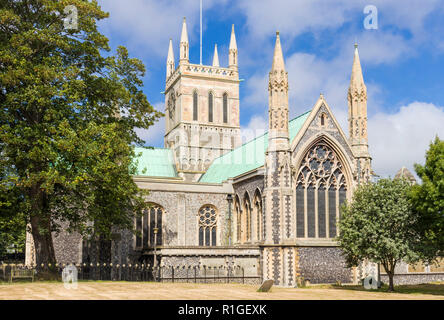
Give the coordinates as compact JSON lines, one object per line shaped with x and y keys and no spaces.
{"x":184,"y":44}
{"x":232,"y":54}
{"x":215,"y":57}
{"x":278,"y":57}
{"x":357,"y":79}
{"x":170,"y":60}
{"x":184,"y":36}
{"x":233,"y":44}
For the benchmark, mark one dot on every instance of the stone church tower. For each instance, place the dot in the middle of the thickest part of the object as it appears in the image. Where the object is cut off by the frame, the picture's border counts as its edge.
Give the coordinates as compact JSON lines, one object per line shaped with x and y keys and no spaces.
{"x":279,"y":261}
{"x":357,"y":117}
{"x":201,"y":109}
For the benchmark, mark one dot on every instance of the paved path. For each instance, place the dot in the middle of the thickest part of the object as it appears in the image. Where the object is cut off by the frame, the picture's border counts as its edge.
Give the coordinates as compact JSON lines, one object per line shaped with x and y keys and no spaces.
{"x":184,"y":291}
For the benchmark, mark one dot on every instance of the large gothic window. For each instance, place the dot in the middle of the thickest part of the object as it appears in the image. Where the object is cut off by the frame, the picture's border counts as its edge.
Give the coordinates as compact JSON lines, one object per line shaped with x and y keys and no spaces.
{"x":195,"y":105}
{"x":207,"y":226}
{"x":225,"y":107}
{"x":210,"y":107}
{"x":321,"y":188}
{"x":146,"y":225}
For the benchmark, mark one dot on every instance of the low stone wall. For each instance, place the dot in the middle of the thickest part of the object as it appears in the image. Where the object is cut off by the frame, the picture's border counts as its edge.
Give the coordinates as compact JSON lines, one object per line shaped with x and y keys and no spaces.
{"x":414,"y":278}
{"x":323,"y":265}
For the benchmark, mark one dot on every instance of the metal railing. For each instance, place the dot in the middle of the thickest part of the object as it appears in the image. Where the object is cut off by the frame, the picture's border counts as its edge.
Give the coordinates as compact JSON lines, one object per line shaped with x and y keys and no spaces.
{"x":144,"y":272}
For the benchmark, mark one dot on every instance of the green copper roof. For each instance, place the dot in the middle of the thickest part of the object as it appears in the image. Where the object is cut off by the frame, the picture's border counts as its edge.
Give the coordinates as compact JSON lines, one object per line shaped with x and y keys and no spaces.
{"x":247,"y":157}
{"x":155,"y":162}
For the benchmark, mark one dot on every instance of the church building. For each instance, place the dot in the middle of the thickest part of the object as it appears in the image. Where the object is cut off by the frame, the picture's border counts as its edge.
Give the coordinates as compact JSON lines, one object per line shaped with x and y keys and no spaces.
{"x":270,"y":205}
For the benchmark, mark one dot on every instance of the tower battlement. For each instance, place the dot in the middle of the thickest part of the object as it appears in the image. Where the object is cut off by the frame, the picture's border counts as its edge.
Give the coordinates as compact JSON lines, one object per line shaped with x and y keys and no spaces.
{"x":201,"y":109}
{"x":203,"y":71}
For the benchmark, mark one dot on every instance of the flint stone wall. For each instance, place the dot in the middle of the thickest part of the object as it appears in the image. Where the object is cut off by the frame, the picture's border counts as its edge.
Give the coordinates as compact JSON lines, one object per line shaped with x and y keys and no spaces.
{"x":323,"y":265}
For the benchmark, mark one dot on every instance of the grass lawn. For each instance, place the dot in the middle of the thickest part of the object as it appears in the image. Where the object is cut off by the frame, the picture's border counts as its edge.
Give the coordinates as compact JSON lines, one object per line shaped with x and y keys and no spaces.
{"x":107,"y":290}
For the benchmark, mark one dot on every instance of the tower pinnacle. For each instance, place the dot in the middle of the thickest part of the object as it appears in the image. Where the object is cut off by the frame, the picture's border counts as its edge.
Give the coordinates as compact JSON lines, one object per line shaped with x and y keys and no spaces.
{"x":232,"y":54}
{"x":215,"y":57}
{"x":278,"y":57}
{"x":278,"y":95}
{"x":357,"y":118}
{"x":357,"y":79}
{"x":170,"y":60}
{"x":184,"y":44}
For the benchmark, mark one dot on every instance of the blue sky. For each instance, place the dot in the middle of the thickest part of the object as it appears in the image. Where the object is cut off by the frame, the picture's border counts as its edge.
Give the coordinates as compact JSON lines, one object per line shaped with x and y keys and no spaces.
{"x":402,"y":60}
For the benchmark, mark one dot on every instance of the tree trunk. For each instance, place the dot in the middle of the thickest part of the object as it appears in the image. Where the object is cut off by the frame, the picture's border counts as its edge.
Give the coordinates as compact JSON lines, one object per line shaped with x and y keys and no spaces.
{"x":41,"y":228}
{"x":389,"y":267}
{"x":391,"y":287}
{"x":44,"y":248}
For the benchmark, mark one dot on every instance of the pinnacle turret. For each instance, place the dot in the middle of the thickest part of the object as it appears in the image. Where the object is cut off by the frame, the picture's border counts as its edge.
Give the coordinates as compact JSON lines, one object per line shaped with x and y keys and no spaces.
{"x":357,"y":119}
{"x":278,"y":57}
{"x":170,"y":60}
{"x":215,"y":57}
{"x":184,"y":44}
{"x":357,"y":79}
{"x":232,"y":55}
{"x":278,"y":92}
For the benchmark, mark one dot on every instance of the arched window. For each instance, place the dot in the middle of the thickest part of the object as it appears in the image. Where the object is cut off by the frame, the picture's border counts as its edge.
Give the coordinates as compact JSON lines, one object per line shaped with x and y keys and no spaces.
{"x":210,"y":107}
{"x":321,"y":188}
{"x":323,"y":119}
{"x":195,"y":106}
{"x":247,"y":222}
{"x":225,"y":107}
{"x":207,"y":226}
{"x":147,"y":224}
{"x":238,"y":212}
{"x":258,"y":214}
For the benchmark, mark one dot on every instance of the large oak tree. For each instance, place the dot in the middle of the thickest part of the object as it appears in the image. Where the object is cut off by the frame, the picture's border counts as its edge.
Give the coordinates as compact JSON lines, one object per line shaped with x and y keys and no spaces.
{"x":69,"y":110}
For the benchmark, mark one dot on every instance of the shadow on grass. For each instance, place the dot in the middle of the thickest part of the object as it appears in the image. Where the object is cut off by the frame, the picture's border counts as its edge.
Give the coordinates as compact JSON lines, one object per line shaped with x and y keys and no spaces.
{"x":429,"y":288}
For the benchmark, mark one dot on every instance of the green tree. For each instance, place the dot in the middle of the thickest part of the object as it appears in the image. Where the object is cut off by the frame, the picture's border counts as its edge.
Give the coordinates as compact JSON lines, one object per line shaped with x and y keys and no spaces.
{"x":379,"y":225}
{"x":69,"y":110}
{"x":428,"y":202}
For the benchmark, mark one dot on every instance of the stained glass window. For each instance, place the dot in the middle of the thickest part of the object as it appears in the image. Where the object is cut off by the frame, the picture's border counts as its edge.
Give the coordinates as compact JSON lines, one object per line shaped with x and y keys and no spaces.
{"x":151,"y":219}
{"x":300,"y":229}
{"x":210,"y":107}
{"x":320,"y":167}
{"x":195,"y":106}
{"x":207,"y":226}
{"x":311,"y":211}
{"x":225,"y":107}
{"x":332,"y":211}
{"x":321,"y":212}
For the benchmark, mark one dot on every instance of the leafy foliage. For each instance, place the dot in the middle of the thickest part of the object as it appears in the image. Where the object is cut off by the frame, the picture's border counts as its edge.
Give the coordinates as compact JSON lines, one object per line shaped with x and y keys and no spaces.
{"x":379,"y":225}
{"x":67,"y":122}
{"x":428,"y":201}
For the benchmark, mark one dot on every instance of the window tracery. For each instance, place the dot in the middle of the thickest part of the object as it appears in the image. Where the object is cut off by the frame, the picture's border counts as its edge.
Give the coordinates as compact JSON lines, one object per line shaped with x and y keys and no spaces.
{"x":320,"y":190}
{"x":207,"y":225}
{"x":146,"y":225}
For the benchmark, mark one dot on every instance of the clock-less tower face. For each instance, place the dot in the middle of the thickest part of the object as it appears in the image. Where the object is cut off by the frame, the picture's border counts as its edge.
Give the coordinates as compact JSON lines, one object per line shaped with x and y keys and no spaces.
{"x":202,"y":116}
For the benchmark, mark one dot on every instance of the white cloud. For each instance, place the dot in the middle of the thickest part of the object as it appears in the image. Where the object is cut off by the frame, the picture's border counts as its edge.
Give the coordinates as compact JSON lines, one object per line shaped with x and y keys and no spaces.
{"x":147,"y":25}
{"x":296,"y":17}
{"x":257,"y":126}
{"x":401,"y":139}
